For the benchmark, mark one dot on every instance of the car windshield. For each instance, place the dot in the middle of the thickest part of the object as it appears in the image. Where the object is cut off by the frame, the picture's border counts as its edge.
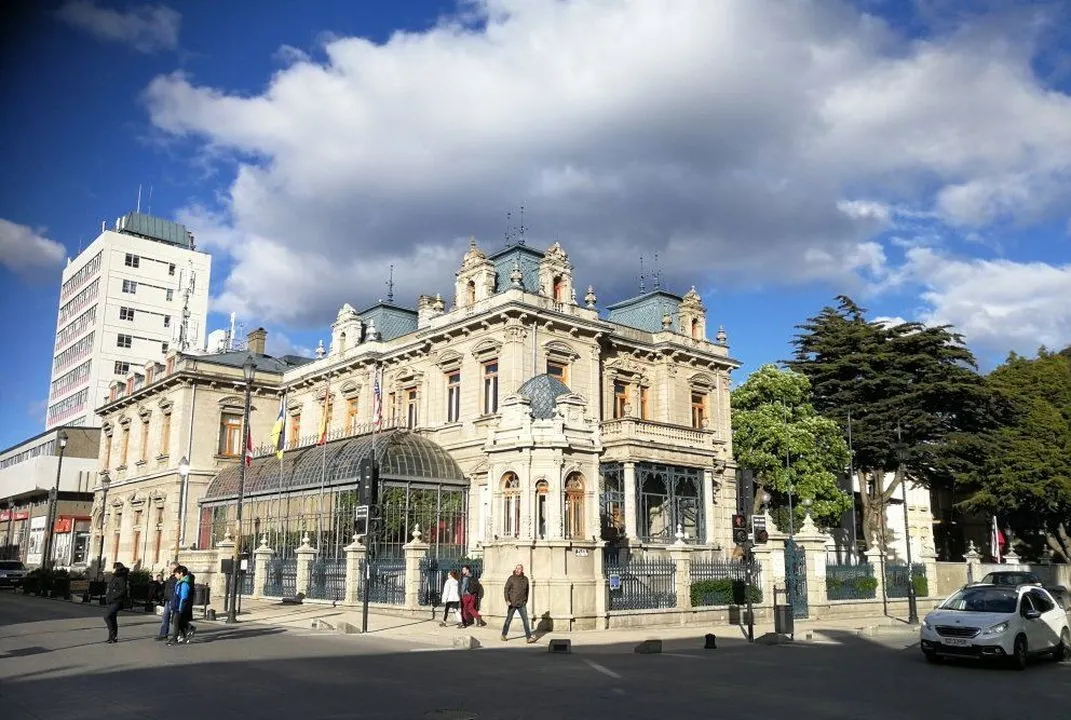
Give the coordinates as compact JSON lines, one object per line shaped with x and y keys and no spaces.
{"x":1009,"y":578}
{"x":983,"y":599}
{"x":10,"y":565}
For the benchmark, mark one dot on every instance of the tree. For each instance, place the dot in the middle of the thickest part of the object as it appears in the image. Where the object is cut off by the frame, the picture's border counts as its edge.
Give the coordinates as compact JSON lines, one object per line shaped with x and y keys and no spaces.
{"x":1022,"y":468}
{"x":774,"y":421}
{"x":911,"y":391}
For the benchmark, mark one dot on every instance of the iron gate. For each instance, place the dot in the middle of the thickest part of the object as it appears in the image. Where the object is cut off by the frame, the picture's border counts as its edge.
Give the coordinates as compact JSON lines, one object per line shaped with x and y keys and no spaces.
{"x":796,"y":578}
{"x":384,"y":582}
{"x":245,"y":587}
{"x":433,"y":572}
{"x":282,"y":578}
{"x":328,"y":580}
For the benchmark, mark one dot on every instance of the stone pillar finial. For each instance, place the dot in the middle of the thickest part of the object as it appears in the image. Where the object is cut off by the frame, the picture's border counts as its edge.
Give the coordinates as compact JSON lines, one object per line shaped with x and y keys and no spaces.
{"x":305,"y":540}
{"x":263,"y":541}
{"x":721,"y":337}
{"x":227,"y":537}
{"x":590,"y":298}
{"x":416,"y":533}
{"x":680,"y":535}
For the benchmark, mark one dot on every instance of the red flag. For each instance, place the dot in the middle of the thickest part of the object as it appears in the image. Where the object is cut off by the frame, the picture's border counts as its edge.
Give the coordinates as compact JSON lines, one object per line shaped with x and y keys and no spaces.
{"x":248,"y":446}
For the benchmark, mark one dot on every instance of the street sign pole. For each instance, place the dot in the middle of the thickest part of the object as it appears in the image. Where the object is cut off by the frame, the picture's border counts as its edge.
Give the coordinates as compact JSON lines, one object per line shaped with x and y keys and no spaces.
{"x":749,"y":558}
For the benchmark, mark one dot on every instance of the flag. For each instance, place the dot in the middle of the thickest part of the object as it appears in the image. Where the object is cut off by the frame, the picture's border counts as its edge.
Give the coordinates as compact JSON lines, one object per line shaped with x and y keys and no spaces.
{"x":248,"y":445}
{"x":325,"y":415}
{"x":278,"y":431}
{"x":996,"y":540}
{"x":377,"y":402}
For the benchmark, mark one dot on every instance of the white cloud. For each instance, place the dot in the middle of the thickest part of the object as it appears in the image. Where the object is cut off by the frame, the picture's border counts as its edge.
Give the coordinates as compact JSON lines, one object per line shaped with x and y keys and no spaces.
{"x":995,"y":304}
{"x":25,"y":250}
{"x":146,"y":28}
{"x":744,"y":141}
{"x":279,"y":344}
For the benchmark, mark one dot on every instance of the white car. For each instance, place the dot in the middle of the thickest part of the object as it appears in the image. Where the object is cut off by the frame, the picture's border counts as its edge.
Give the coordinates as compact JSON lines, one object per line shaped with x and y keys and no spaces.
{"x":997,"y":622}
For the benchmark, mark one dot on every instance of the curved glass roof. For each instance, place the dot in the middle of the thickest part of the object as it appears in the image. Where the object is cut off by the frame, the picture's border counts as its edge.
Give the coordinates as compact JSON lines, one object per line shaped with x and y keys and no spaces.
{"x":543,"y":391}
{"x":403,"y":458}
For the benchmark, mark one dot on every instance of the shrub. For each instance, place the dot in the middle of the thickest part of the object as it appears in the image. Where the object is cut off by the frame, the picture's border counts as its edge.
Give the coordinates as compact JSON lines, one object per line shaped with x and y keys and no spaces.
{"x":922,"y":586}
{"x":724,"y":591}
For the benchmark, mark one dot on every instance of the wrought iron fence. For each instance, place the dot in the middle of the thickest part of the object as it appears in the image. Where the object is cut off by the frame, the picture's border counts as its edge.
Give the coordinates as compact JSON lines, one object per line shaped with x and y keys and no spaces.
{"x":896,"y":580}
{"x":851,"y":582}
{"x":248,"y":579}
{"x":433,"y":572}
{"x":642,"y":584}
{"x":281,"y":580}
{"x":724,"y":582}
{"x":384,"y":582}
{"x":327,"y":579}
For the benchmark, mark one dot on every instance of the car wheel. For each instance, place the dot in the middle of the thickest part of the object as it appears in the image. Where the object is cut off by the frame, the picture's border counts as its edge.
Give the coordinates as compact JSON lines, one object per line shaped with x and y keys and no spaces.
{"x":1020,"y":653}
{"x":932,"y":657}
{"x":1063,"y":649}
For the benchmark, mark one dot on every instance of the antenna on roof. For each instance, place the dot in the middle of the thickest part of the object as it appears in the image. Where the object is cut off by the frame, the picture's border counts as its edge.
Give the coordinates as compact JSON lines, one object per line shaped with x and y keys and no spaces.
{"x":390,"y":286}
{"x":150,"y":201}
{"x":643,"y":278}
{"x":657,"y":273}
{"x":139,"y":197}
{"x":509,"y":227}
{"x":520,"y":241}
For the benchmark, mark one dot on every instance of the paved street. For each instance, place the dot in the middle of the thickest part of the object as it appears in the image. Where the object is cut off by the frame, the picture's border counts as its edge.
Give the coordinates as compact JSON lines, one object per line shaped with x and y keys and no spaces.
{"x":54,"y":664}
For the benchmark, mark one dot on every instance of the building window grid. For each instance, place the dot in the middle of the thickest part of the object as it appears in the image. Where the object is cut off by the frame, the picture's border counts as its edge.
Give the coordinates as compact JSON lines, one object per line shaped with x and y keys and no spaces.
{"x":79,"y":301}
{"x":121,"y":367}
{"x":68,"y":406}
{"x":74,"y":353}
{"x":669,"y":496}
{"x":558,"y":369}
{"x":124,"y":445}
{"x":453,"y":396}
{"x":75,"y":376}
{"x":490,"y":387}
{"x":130,"y":287}
{"x":132,"y":260}
{"x":144,"y":444}
{"x":126,"y":313}
{"x":699,"y":408}
{"x":124,"y":341}
{"x":620,"y":398}
{"x":412,"y":415}
{"x":351,"y":415}
{"x":81,"y":276}
{"x":76,"y":326}
{"x":230,"y":434}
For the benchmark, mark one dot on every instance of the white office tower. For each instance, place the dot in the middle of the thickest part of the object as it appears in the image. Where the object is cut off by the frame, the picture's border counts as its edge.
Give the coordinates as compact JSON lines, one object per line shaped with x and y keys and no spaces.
{"x":138,"y":290}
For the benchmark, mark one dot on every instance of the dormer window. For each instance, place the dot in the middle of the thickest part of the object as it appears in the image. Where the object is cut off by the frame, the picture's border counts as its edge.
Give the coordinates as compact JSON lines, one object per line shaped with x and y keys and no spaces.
{"x":558,"y":289}
{"x":470,"y":289}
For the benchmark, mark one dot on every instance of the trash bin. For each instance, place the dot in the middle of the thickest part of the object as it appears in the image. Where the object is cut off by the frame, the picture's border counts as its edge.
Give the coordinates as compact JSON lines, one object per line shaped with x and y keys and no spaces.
{"x":200,"y":594}
{"x":784,"y":621}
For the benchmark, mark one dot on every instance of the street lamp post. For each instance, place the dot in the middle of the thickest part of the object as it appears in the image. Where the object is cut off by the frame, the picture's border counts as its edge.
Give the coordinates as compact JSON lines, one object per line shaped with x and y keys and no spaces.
{"x":105,"y":483}
{"x":249,"y":370}
{"x":912,"y":601}
{"x":53,"y":494}
{"x":180,"y":529}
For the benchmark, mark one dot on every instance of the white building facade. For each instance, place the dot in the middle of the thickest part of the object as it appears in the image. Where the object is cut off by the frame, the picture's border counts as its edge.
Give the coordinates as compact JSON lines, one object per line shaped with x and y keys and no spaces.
{"x":138,"y":291}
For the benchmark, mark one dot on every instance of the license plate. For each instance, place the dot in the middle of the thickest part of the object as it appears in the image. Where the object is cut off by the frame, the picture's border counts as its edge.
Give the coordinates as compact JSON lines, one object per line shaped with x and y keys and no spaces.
{"x":957,"y":642}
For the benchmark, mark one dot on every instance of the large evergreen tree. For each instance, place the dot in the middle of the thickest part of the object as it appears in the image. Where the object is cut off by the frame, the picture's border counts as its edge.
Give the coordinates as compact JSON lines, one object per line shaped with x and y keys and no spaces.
{"x":912,"y":393}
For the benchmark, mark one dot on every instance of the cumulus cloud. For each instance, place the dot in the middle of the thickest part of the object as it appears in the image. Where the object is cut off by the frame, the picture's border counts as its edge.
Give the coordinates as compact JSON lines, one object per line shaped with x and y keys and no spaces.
{"x":996,"y":304}
{"x":24,"y":250}
{"x":146,"y":28}
{"x":747,"y":141}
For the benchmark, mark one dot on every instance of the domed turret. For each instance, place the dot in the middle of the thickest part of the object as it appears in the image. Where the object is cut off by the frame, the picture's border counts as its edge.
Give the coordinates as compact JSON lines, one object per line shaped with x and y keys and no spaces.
{"x":543,"y":391}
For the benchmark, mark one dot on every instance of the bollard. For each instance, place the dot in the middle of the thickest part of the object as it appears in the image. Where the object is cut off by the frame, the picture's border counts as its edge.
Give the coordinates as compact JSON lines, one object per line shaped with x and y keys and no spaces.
{"x":561,"y":646}
{"x":711,"y":642}
{"x":649,"y":647}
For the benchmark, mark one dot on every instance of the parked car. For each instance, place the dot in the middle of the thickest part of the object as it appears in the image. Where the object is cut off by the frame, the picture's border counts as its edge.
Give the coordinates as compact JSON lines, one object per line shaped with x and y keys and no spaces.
{"x":997,"y":622}
{"x":12,"y":573}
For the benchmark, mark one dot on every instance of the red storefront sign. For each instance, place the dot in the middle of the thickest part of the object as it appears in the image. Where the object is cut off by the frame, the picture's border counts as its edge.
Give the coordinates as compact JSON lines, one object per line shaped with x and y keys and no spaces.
{"x":7,"y":515}
{"x":63,"y":525}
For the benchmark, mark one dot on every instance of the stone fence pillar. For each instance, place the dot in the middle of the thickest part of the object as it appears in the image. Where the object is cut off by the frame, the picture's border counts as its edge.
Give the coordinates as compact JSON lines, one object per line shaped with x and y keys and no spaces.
{"x":224,"y":551}
{"x":876,"y":559}
{"x":261,"y":558}
{"x":1011,"y":558}
{"x":355,"y":557}
{"x":306,"y":554}
{"x":813,"y":542}
{"x":974,"y":563}
{"x":763,"y":555}
{"x":681,"y":555}
{"x":415,"y":551}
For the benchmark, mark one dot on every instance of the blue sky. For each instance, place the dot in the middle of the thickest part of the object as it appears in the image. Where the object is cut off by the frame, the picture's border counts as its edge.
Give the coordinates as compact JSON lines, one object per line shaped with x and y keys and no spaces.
{"x":916,"y":156}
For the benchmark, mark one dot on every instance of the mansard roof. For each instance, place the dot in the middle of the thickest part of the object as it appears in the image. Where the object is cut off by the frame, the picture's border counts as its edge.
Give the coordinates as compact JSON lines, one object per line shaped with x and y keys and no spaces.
{"x":645,"y":312}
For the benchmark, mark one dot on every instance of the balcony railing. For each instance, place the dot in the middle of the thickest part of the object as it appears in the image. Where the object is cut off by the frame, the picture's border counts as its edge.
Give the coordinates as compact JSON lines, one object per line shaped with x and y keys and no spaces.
{"x":659,"y":432}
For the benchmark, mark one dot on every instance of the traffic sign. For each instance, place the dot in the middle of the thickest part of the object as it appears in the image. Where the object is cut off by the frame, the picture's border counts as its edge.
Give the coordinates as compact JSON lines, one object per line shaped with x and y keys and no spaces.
{"x":758,"y":527}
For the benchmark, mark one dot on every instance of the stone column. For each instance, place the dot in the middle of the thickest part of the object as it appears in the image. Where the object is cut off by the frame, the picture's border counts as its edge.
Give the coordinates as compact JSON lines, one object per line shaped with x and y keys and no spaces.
{"x":631,"y":503}
{"x":875,"y":557}
{"x":261,"y":557}
{"x":764,"y":565}
{"x":709,"y":509}
{"x":1011,"y":558}
{"x":355,"y":557}
{"x":306,"y":554}
{"x":681,"y":554}
{"x":415,"y":551}
{"x":224,"y":551}
{"x":813,"y":542}
{"x":602,"y":600}
{"x":974,"y":563}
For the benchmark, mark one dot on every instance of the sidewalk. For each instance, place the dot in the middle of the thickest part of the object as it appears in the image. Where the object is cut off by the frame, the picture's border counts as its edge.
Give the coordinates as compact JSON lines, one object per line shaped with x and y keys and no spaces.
{"x":427,"y":632}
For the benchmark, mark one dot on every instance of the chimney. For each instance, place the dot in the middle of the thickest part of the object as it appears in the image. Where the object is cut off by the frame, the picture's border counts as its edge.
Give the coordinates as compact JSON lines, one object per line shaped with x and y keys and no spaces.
{"x":256,"y":340}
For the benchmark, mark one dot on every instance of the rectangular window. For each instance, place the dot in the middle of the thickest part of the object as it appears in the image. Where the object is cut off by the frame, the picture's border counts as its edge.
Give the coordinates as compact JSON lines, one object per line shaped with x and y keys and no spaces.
{"x":169,"y":295}
{"x":165,"y":434}
{"x":392,"y":407}
{"x":164,"y":346}
{"x":126,"y":313}
{"x":620,"y":398}
{"x":490,"y":387}
{"x":144,"y":440}
{"x":699,"y":409}
{"x":230,"y":434}
{"x":132,"y":261}
{"x":129,"y":286}
{"x":124,"y":445}
{"x":453,"y":396}
{"x":295,"y":430}
{"x":411,"y":409}
{"x":171,"y":269}
{"x":123,"y":341}
{"x":351,"y":415}
{"x":167,"y":321}
{"x":121,"y":368}
{"x":107,"y":451}
{"x":158,"y":536}
{"x":559,"y":370}
{"x":643,"y":402}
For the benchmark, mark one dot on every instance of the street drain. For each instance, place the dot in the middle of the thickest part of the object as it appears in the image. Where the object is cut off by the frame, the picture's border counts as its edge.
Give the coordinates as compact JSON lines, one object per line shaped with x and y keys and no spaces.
{"x":451,"y":715}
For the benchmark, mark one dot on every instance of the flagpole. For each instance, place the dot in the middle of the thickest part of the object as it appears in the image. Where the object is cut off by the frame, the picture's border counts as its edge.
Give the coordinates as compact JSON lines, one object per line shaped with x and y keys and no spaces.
{"x":279,"y":488}
{"x":323,"y":466}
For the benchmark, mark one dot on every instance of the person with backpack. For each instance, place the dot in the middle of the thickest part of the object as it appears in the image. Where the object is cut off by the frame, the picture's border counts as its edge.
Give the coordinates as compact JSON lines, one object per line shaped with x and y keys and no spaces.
{"x":182,"y":600}
{"x":169,"y":595}
{"x":115,"y":598}
{"x":470,"y":598}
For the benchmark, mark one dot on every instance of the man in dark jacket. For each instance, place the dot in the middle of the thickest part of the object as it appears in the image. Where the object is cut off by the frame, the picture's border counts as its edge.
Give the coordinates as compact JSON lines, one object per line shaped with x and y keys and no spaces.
{"x":115,"y":598}
{"x":516,"y":593}
{"x":169,"y":593}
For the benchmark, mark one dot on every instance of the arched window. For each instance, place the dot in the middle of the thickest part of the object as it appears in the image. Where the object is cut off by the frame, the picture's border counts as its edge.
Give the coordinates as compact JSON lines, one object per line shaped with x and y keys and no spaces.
{"x":511,"y":505}
{"x":342,"y":342}
{"x":686,"y":496}
{"x":471,"y":289}
{"x":654,"y":504}
{"x":574,"y":506}
{"x":558,"y":289}
{"x":695,"y":328}
{"x":541,"y":490}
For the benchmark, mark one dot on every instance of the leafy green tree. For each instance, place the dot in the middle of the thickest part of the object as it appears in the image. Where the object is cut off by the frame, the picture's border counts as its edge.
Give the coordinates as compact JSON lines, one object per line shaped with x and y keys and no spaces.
{"x":1022,"y":468}
{"x":912,"y":392}
{"x":774,"y":422}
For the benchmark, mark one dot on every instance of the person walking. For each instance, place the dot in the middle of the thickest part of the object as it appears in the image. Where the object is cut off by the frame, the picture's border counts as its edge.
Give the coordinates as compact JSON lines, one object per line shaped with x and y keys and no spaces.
{"x":451,"y":598}
{"x":470,"y":598}
{"x":181,"y":630}
{"x":169,"y":593}
{"x":516,"y":593}
{"x":115,"y":598}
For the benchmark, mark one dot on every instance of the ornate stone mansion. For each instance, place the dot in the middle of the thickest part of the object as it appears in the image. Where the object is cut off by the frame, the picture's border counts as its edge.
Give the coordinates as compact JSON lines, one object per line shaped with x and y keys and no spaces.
{"x":520,"y":424}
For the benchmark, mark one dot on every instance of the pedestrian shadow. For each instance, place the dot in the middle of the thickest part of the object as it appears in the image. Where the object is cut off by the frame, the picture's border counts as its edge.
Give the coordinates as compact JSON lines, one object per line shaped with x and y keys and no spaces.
{"x":23,"y":652}
{"x":218,"y":635}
